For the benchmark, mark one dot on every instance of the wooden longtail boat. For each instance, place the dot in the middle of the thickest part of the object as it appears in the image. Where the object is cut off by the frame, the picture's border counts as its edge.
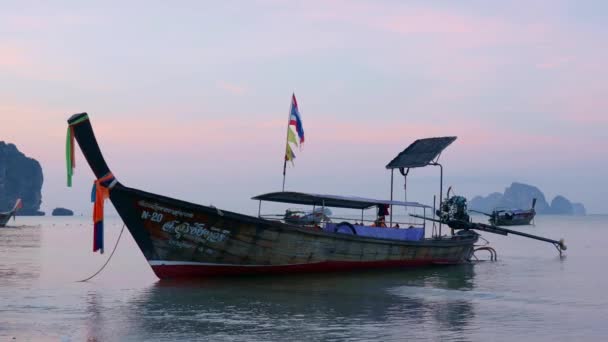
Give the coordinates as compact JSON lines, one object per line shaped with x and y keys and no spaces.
{"x":511,"y":217}
{"x":184,"y":240}
{"x":6,"y":216}
{"x":514,"y":217}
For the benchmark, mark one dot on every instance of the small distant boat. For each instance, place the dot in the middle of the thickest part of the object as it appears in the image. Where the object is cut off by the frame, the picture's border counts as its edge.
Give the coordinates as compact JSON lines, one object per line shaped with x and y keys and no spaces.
{"x":511,"y":217}
{"x":6,"y":216}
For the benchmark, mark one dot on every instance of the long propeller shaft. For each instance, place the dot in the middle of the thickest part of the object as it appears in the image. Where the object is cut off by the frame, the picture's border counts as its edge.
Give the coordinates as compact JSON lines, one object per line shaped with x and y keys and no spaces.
{"x":458,"y":224}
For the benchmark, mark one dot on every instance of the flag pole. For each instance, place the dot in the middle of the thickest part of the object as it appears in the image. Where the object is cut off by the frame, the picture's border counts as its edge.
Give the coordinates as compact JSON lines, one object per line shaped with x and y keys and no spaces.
{"x":287,"y":141}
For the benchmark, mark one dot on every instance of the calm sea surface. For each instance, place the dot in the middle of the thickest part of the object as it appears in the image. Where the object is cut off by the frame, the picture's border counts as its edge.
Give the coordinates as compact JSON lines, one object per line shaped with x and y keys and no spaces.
{"x":529,"y":294}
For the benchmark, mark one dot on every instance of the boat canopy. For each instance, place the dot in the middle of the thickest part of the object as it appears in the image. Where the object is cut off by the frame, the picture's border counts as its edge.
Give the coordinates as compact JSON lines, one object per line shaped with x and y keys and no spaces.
{"x":420,"y":153}
{"x":334,"y":201}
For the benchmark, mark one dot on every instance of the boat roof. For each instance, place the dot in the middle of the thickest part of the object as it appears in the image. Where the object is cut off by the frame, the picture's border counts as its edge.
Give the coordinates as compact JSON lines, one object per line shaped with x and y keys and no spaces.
{"x":420,"y":153}
{"x":334,"y":201}
{"x":515,"y":211}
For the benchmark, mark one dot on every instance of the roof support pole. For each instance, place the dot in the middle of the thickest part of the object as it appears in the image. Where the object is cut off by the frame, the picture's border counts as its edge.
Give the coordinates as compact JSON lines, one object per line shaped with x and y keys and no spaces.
{"x":424,"y":223}
{"x":434,"y":213}
{"x":391,"y":213}
{"x":404,"y":173}
{"x":260,"y":209}
{"x":322,"y":211}
{"x":440,"y":190}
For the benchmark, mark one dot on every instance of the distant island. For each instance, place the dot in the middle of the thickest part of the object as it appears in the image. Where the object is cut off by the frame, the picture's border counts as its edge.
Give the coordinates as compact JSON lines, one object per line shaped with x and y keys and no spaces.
{"x":20,"y":177}
{"x":62,"y":212}
{"x":519,"y":196}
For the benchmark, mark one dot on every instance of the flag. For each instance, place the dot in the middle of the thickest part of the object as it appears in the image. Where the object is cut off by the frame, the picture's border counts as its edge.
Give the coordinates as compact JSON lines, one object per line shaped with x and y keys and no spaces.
{"x":18,"y":204}
{"x":291,"y":137}
{"x":289,"y":155}
{"x":295,"y":119}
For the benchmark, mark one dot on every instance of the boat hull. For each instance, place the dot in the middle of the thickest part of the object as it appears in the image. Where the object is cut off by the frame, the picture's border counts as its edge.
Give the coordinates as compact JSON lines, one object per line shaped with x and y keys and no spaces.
{"x":172,"y":269}
{"x":519,"y":219}
{"x":185,"y":240}
{"x":4,"y":218}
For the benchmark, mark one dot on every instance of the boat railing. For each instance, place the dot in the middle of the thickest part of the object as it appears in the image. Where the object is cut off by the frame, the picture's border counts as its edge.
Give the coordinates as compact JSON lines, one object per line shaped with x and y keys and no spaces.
{"x":335,"y":219}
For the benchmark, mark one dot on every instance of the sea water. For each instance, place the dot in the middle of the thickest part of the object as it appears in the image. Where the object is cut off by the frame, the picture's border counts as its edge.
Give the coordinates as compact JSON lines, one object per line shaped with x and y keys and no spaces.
{"x":529,"y":294}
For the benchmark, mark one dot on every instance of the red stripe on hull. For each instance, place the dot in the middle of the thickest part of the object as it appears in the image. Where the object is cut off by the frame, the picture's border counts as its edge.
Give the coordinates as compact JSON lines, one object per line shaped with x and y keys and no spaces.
{"x":197,"y":271}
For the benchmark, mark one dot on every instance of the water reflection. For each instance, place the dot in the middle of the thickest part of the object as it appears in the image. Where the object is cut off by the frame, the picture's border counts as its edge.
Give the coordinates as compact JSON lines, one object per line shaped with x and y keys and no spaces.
{"x":94,"y":324}
{"x":526,"y":291}
{"x":18,"y":246}
{"x":360,"y":305}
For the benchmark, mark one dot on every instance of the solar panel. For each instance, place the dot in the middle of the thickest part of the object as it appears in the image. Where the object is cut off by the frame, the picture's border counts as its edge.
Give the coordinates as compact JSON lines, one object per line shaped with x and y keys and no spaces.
{"x":420,"y":153}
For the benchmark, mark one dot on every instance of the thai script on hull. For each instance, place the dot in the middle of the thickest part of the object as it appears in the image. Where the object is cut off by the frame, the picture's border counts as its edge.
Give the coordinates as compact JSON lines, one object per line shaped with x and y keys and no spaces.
{"x":174,"y":212}
{"x":197,"y":231}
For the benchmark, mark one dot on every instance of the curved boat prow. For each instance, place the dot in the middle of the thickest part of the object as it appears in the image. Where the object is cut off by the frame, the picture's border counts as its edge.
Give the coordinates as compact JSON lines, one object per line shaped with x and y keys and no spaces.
{"x":83,"y":132}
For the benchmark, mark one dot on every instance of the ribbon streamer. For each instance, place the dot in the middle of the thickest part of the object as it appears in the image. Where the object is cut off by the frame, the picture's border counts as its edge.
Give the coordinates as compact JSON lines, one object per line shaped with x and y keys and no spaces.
{"x":101,"y":192}
{"x":69,"y":149}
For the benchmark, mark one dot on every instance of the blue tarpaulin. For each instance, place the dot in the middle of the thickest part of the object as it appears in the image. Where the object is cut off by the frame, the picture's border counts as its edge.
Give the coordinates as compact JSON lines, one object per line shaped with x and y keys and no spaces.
{"x":408,"y":234}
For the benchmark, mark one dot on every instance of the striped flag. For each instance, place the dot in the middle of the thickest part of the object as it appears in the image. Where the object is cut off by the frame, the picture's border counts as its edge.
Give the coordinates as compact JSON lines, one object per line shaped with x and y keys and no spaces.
{"x":297,"y":138}
{"x":295,"y":119}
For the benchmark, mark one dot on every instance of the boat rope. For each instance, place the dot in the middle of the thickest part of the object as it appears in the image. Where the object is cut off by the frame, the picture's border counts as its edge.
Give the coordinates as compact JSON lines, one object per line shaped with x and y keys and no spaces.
{"x":107,"y":261}
{"x":492,"y":251}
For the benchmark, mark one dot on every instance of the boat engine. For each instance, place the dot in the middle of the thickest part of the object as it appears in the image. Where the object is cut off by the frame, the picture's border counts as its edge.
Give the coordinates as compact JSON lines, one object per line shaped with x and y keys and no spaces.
{"x":454,"y":208}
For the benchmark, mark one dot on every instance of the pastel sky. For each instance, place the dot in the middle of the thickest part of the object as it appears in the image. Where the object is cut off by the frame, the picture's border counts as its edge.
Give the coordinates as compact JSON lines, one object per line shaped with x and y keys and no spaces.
{"x":190,"y":98}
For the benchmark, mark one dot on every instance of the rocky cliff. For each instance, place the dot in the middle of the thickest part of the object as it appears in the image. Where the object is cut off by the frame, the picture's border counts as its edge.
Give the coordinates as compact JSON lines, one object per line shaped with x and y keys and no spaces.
{"x":519,"y":196}
{"x":62,"y":212}
{"x":579,"y":209}
{"x":561,"y":205}
{"x":20,"y":177}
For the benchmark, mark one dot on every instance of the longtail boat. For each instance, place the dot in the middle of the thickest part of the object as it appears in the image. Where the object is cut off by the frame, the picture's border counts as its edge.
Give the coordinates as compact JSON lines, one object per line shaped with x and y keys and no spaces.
{"x":186,"y":240}
{"x":510,"y":217}
{"x":6,"y":216}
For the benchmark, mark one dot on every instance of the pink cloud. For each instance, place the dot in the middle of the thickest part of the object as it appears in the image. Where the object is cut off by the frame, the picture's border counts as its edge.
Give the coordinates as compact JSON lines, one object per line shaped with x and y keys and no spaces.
{"x":26,"y":22}
{"x":185,"y":137}
{"x":433,"y":21}
{"x":25,"y":63}
{"x":21,"y":23}
{"x":587,"y":118}
{"x":476,"y":143}
{"x":585,"y":106}
{"x":454,"y":28}
{"x":12,"y":57}
{"x":232,"y":88}
{"x":555,"y":62}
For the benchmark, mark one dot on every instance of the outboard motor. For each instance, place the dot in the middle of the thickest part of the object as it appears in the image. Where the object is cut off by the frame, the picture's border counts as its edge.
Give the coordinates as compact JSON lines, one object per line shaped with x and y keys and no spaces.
{"x":454,"y":208}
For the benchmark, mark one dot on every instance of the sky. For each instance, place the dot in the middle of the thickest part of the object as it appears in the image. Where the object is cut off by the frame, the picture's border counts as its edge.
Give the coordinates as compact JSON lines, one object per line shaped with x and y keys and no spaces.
{"x":190,"y":99}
